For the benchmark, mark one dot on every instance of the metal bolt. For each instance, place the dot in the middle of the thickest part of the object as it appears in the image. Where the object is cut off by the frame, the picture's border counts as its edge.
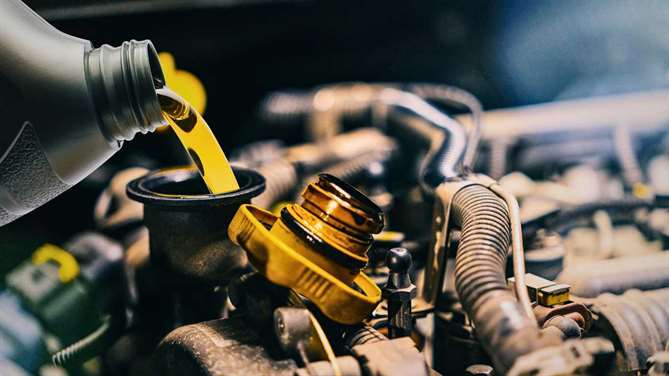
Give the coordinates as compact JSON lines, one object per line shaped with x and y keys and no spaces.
{"x":292,"y":327}
{"x":479,"y":370}
{"x":399,"y":291}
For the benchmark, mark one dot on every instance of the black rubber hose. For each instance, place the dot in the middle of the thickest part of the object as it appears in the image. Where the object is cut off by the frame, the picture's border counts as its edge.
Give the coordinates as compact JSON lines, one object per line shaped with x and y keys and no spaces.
{"x":501,"y":324}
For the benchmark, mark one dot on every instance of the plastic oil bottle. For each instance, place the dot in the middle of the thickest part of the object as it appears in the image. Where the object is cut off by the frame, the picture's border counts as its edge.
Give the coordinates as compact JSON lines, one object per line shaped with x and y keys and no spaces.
{"x":66,"y":107}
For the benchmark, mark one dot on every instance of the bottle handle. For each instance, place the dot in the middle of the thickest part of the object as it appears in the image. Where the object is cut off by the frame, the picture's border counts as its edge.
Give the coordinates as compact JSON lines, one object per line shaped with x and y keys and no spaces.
{"x":27,"y":179}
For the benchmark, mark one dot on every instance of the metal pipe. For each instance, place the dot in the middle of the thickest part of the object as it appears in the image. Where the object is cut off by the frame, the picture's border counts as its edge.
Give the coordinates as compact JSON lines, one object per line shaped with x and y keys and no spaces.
{"x":517,"y":250}
{"x":645,"y":111}
{"x":454,"y":95}
{"x":588,"y":280}
{"x":444,"y":159}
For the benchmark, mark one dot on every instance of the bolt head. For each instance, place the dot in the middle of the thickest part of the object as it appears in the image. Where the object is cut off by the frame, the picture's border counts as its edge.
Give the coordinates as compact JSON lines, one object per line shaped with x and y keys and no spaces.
{"x":480,"y":370}
{"x":398,"y":260}
{"x":400,"y":295}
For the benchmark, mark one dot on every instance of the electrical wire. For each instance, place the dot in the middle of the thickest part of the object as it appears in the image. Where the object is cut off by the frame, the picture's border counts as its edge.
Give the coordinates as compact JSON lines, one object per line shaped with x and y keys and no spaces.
{"x":85,"y":348}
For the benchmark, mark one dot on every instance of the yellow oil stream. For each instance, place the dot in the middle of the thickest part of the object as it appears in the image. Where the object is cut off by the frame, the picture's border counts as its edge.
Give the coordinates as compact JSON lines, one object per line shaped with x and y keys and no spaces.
{"x":199,"y":141}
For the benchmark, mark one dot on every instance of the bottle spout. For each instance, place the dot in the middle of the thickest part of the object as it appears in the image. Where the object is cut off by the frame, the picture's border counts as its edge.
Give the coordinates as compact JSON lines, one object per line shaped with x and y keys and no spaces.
{"x":123,"y":82}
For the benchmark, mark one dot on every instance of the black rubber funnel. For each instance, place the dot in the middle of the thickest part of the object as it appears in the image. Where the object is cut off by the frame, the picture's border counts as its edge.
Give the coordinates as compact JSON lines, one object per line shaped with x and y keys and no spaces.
{"x":188,"y":227}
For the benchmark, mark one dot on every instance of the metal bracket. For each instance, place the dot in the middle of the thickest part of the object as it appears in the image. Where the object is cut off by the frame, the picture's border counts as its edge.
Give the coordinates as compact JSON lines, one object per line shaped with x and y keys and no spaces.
{"x":435,"y":265}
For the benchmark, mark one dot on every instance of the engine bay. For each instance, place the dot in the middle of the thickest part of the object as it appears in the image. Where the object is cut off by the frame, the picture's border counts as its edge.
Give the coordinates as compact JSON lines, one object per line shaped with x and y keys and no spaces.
{"x":386,"y":223}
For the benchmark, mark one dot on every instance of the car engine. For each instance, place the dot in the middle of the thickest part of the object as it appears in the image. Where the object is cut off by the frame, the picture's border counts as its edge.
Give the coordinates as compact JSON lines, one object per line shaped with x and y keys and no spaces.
{"x":466,"y":188}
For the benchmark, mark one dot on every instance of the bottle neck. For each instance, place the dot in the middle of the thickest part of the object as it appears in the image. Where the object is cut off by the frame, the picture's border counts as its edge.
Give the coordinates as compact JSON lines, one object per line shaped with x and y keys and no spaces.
{"x":123,"y":82}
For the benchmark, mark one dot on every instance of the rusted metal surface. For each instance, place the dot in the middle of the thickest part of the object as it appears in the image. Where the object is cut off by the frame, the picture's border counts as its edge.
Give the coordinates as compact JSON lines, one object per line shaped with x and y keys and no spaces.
{"x":575,"y":311}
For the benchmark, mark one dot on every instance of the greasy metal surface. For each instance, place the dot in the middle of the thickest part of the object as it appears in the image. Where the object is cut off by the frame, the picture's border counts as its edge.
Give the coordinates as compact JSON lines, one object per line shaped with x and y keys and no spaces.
{"x":300,"y":334}
{"x":292,"y":328}
{"x":218,"y":348}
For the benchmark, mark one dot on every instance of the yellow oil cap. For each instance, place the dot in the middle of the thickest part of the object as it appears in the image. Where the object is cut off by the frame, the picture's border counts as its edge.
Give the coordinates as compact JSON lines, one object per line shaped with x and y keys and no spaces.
{"x":317,"y":248}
